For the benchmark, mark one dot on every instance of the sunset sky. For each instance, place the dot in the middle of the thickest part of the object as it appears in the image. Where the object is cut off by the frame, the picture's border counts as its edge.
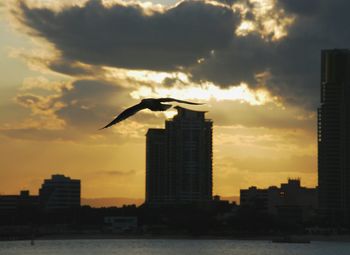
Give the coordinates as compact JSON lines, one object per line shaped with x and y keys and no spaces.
{"x":68,"y":67}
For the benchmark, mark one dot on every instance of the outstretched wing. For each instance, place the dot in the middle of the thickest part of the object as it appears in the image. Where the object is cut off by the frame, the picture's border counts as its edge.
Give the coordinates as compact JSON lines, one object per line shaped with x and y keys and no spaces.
{"x":169,"y":99}
{"x":126,"y":114}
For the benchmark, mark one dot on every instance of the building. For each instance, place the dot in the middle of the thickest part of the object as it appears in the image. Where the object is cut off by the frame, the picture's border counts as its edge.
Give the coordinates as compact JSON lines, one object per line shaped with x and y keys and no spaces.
{"x":59,"y":192}
{"x":12,"y":203}
{"x":289,"y":201}
{"x":157,"y":177}
{"x":179,"y":160}
{"x":334,"y":137}
{"x":261,"y":200}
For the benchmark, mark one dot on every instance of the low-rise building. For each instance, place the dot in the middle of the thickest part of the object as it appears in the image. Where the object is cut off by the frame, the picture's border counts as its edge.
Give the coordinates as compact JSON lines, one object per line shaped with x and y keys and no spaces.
{"x":11,"y":203}
{"x":59,"y":192}
{"x":290,"y":200}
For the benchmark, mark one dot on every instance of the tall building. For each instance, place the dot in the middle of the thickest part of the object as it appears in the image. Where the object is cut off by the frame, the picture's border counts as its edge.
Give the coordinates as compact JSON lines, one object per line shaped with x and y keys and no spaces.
{"x":59,"y":192}
{"x":157,"y":177}
{"x":179,"y":160}
{"x":334,"y":137}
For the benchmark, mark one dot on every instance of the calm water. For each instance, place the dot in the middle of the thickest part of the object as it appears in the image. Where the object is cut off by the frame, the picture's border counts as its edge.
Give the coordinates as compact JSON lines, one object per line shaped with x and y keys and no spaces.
{"x":171,"y":247}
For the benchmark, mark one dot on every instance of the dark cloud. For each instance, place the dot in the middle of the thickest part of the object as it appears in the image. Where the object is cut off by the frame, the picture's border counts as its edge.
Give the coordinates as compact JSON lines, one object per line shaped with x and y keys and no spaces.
{"x":126,"y":36}
{"x":72,"y":68}
{"x":304,"y":7}
{"x":294,"y":61}
{"x":245,"y":57}
{"x":89,"y":103}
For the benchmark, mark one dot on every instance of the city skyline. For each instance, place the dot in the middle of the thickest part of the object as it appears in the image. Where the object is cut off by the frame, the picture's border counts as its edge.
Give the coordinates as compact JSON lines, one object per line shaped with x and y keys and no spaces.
{"x":257,"y":74}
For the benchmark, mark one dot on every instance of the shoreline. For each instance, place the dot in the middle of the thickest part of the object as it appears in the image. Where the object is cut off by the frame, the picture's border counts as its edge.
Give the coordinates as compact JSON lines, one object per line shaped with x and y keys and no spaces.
{"x":312,"y":238}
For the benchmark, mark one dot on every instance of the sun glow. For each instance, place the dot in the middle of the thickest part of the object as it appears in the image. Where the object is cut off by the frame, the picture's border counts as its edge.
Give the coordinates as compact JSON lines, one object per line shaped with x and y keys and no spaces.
{"x":245,"y":28}
{"x":178,"y":84}
{"x":270,"y":21}
{"x":207,"y":92}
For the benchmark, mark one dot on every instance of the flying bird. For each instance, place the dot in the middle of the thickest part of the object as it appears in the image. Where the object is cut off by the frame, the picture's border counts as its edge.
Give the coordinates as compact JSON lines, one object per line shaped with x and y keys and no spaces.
{"x":154,"y":104}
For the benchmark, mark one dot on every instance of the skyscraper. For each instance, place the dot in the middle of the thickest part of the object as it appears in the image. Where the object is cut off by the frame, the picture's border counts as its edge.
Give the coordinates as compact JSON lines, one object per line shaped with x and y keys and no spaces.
{"x":157,"y":177}
{"x":179,"y":160}
{"x":59,"y":192}
{"x":334,"y":136}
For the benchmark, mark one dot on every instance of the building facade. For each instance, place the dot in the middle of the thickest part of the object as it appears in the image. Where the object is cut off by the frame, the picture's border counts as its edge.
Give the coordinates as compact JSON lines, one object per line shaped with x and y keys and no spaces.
{"x":334,"y":137}
{"x":59,"y":192}
{"x":179,"y":160}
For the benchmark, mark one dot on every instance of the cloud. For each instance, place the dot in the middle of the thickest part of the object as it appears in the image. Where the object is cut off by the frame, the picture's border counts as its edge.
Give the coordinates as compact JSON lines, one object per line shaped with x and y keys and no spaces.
{"x":47,"y":61}
{"x":283,"y":38}
{"x":293,"y":61}
{"x":42,"y":83}
{"x":75,"y":110}
{"x":131,"y":36}
{"x":43,"y":109}
{"x":118,"y":172}
{"x":297,"y":164}
{"x":269,"y":116}
{"x":198,"y":38}
{"x":302,"y":7}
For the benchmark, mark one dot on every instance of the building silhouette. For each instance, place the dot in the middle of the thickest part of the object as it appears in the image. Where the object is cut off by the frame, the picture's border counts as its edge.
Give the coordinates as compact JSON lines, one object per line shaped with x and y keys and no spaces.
{"x":179,"y":160}
{"x":334,"y":137}
{"x":11,"y":203}
{"x":59,"y":192}
{"x":290,"y":201}
{"x":157,"y":174}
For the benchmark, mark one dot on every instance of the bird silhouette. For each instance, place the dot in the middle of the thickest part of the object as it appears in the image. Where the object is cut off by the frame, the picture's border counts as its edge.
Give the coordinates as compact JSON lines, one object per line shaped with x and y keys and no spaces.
{"x":154,"y":104}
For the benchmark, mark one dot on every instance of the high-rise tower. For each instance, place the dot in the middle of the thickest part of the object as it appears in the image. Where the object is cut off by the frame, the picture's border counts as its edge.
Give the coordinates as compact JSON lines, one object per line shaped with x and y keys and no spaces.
{"x":179,"y":160}
{"x":334,"y":137}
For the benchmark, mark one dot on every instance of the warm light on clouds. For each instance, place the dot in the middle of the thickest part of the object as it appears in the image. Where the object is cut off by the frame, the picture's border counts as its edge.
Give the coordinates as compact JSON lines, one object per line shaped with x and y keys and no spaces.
{"x":131,"y":78}
{"x":179,"y":85}
{"x":269,"y":20}
{"x":208,"y":91}
{"x":245,"y":28}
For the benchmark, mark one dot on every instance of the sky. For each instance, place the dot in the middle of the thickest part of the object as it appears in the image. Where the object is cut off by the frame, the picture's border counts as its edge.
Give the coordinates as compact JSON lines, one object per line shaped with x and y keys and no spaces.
{"x":68,"y":67}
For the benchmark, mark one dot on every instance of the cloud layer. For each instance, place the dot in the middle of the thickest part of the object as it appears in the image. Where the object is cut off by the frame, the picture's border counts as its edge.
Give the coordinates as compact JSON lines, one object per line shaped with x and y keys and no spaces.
{"x":131,"y":36}
{"x":281,"y":37}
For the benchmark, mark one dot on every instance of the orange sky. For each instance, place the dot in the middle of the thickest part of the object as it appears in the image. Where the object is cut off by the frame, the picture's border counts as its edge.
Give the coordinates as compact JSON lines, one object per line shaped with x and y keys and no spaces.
{"x":49,"y":122}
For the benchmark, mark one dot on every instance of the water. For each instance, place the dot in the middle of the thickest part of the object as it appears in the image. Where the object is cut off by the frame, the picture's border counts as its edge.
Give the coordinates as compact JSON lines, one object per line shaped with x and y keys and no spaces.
{"x":170,"y":247}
